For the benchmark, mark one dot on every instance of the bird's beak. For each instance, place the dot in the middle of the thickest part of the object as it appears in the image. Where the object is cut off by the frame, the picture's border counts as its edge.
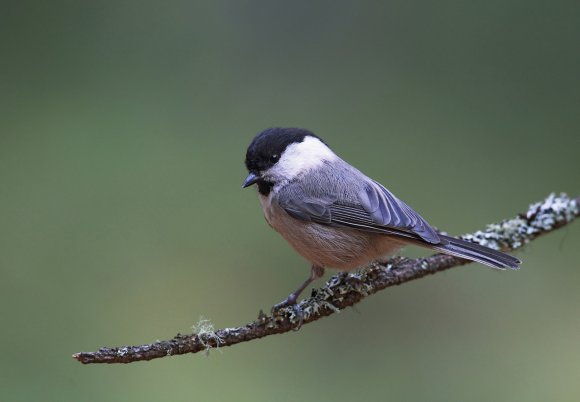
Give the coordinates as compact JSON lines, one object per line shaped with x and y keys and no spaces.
{"x":251,"y":179}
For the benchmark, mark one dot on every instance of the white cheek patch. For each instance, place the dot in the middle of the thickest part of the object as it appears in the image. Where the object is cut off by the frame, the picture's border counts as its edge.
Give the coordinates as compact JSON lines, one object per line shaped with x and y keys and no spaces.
{"x":301,"y":157}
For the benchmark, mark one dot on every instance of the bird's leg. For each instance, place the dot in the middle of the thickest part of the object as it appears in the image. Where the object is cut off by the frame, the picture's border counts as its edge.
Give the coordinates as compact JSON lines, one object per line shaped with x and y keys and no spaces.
{"x":315,"y":273}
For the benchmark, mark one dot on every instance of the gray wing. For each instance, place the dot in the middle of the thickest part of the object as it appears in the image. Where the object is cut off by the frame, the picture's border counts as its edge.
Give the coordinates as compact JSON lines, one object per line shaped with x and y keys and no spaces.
{"x":369,"y":207}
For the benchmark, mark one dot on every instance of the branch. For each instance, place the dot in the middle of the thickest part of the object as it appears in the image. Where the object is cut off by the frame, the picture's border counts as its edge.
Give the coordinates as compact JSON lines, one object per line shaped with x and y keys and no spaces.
{"x":344,"y":290}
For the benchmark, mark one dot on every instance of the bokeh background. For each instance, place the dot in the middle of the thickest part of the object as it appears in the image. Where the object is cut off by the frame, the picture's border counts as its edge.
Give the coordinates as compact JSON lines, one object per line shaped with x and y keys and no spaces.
{"x":122,"y":136}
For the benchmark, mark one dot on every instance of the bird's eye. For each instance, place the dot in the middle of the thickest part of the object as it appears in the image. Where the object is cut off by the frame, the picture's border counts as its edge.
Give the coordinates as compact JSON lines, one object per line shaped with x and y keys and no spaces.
{"x":274,"y":158}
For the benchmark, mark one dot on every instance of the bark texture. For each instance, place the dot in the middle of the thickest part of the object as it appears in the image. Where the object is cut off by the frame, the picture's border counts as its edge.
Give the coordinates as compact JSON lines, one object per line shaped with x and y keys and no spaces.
{"x":344,"y":290}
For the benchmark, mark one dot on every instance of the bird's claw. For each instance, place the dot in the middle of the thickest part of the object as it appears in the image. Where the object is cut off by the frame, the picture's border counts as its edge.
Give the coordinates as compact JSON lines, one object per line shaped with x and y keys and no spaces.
{"x":290,"y":302}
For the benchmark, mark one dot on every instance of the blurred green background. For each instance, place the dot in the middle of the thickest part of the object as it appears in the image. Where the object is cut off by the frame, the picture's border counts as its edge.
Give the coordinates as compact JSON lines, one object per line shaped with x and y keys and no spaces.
{"x":122,"y":135}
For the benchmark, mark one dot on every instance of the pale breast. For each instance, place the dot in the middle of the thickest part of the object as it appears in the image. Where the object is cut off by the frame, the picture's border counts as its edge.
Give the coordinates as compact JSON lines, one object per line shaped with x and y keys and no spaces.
{"x":328,"y":246}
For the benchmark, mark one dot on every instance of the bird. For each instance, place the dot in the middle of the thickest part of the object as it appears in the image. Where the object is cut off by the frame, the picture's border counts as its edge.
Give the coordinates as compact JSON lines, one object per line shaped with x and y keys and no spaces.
{"x":334,"y":215}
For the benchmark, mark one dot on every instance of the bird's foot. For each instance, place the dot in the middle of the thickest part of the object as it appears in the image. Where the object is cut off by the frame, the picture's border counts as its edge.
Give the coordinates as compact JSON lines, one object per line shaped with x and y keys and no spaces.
{"x":291,"y":301}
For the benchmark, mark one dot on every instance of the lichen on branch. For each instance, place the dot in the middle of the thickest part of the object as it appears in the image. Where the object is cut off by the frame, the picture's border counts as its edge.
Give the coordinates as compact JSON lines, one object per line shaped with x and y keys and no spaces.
{"x":344,"y":290}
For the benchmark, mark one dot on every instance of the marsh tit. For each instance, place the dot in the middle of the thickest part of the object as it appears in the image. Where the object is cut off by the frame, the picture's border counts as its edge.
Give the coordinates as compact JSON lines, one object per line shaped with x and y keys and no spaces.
{"x":334,"y":215}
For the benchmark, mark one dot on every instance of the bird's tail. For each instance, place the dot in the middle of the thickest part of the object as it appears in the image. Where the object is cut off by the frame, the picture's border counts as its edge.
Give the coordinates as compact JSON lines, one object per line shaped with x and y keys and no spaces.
{"x":476,"y":252}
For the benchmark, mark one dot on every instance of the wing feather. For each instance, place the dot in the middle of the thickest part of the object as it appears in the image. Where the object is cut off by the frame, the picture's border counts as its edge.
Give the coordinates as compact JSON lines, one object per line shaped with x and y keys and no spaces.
{"x":372,"y":208}
{"x":376,"y":209}
{"x":387,"y":210}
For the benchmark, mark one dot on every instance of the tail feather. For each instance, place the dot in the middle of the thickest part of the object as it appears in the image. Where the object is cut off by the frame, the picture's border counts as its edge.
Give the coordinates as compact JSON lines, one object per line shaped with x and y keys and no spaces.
{"x":476,"y":252}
